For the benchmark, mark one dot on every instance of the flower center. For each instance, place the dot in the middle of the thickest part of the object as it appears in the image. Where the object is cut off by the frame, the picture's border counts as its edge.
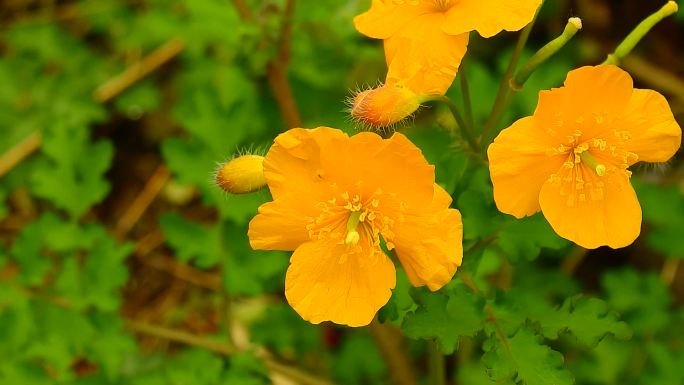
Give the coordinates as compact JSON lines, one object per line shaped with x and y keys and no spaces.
{"x":599,"y":168}
{"x":442,"y":5}
{"x":353,"y":236}
{"x":355,"y":220}
{"x":590,"y":157}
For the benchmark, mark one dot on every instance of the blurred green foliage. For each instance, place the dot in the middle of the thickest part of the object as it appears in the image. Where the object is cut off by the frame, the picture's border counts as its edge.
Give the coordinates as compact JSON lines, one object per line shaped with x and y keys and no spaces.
{"x":70,"y":282}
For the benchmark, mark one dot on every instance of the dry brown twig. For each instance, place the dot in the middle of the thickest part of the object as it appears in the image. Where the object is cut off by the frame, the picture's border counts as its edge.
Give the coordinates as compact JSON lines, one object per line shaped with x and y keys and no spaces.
{"x":104,"y":93}
{"x":389,"y":341}
{"x":276,"y":68}
{"x":137,"y":208}
{"x":131,"y":75}
{"x":295,"y":374}
{"x":19,"y":152}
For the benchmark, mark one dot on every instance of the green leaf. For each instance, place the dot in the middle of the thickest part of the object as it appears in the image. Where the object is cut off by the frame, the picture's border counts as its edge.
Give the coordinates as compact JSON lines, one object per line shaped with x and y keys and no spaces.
{"x":192,"y":241}
{"x":195,"y":366}
{"x":400,"y":302}
{"x":95,"y":280}
{"x":663,"y":208}
{"x":606,"y":364}
{"x":246,"y":369}
{"x":3,"y":206}
{"x":525,"y":238}
{"x":445,"y":317}
{"x":112,"y":346}
{"x":359,"y":361}
{"x":27,"y":249}
{"x":476,"y":374}
{"x":642,"y":299}
{"x":588,"y":319}
{"x":665,"y":365}
{"x":525,"y":359}
{"x":246,"y":272}
{"x":72,"y":177}
{"x":293,"y":337}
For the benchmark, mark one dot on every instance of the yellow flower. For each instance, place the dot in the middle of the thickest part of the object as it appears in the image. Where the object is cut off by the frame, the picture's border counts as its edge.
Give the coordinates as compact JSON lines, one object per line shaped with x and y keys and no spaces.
{"x":334,"y":198}
{"x":425,"y":40}
{"x":570,"y":158}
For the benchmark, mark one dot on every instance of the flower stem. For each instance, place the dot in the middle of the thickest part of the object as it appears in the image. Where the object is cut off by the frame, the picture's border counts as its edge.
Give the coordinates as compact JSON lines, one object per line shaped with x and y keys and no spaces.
{"x":437,"y":364}
{"x":465,"y":93}
{"x":574,"y":25}
{"x":639,"y":32}
{"x":466,"y":130}
{"x":501,"y":101}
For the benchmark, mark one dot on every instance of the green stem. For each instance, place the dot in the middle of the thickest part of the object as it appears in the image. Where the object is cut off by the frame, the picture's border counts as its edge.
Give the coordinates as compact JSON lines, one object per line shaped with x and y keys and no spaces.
{"x":465,"y":92}
{"x":501,"y":101}
{"x":574,"y":25}
{"x":466,"y":131}
{"x":639,"y":32}
{"x":437,"y":364}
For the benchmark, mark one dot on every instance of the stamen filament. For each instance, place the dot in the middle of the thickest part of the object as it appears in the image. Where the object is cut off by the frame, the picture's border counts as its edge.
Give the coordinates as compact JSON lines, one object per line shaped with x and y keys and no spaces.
{"x":589,"y":159}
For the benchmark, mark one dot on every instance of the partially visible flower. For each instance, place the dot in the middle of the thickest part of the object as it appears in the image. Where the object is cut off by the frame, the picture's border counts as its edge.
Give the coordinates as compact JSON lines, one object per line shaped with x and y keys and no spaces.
{"x":425,"y":40}
{"x":384,"y":106}
{"x":334,"y":198}
{"x":570,"y":159}
{"x":241,"y":175}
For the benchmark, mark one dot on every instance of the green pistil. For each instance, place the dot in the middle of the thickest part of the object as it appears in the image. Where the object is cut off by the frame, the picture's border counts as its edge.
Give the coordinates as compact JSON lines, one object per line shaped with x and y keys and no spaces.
{"x":589,"y":159}
{"x":353,"y":236}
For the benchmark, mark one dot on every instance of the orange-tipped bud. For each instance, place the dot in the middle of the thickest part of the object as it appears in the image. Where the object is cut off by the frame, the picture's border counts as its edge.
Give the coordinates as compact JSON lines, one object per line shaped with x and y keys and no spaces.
{"x":242,"y":175}
{"x":384,"y":106}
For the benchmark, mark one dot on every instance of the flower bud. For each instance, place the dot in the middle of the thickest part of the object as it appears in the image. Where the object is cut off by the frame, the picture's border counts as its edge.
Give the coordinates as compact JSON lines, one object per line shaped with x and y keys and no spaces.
{"x":384,"y":106}
{"x":241,"y":175}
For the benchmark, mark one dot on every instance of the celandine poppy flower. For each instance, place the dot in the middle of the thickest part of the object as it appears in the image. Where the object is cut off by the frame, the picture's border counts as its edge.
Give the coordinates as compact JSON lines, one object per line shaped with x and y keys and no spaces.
{"x":570,"y":159}
{"x":334,"y":198}
{"x":430,"y":37}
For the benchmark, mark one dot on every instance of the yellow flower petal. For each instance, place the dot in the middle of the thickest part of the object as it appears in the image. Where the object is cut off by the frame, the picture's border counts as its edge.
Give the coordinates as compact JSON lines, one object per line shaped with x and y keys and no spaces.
{"x":370,"y":162}
{"x":592,"y":97}
{"x":422,"y":58}
{"x":281,"y":224}
{"x":519,"y":164}
{"x":610,"y":216}
{"x":489,"y":17}
{"x":293,"y":162}
{"x":429,"y":243}
{"x":321,"y":285}
{"x":654,"y":134}
{"x":386,"y":17}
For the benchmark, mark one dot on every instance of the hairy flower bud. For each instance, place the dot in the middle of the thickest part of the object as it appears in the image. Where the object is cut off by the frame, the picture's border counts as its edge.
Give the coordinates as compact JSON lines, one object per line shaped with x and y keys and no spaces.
{"x":241,"y":175}
{"x":384,"y":106}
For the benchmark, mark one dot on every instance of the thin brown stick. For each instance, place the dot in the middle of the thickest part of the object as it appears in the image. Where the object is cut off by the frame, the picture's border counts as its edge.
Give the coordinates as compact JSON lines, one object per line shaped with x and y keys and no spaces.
{"x":276,"y":68}
{"x":243,"y":10}
{"x":137,"y":208}
{"x":295,"y":374}
{"x":19,"y":152}
{"x":184,"y":272}
{"x":286,"y":33}
{"x":282,"y":91}
{"x":139,"y":70}
{"x":669,"y":271}
{"x":573,"y":260}
{"x":389,"y":340}
{"x":148,"y":243}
